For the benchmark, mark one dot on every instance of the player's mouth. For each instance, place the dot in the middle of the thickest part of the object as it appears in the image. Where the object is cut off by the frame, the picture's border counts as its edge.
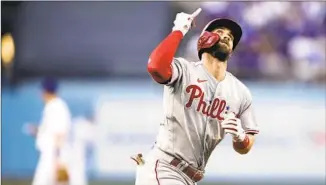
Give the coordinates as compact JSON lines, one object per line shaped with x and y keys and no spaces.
{"x":225,"y":43}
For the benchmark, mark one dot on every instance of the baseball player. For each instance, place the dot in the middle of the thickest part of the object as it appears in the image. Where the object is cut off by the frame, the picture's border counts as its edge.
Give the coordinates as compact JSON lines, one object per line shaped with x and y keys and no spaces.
{"x":203,"y":103}
{"x":52,"y":138}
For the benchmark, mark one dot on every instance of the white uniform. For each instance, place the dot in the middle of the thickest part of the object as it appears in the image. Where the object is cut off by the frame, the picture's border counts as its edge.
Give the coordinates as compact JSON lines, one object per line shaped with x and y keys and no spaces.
{"x":56,"y":119}
{"x":194,"y":105}
{"x":83,"y":136}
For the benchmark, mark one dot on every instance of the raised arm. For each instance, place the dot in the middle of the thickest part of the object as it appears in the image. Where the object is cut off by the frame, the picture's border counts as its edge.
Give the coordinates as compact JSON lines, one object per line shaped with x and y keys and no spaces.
{"x":159,"y":63}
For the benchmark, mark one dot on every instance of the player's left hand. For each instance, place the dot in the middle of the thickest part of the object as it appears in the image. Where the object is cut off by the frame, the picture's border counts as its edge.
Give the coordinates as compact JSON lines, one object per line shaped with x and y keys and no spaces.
{"x":232,"y":125}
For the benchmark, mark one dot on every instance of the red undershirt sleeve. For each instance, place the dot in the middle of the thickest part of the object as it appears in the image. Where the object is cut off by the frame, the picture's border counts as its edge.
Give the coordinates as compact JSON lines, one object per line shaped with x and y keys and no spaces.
{"x":159,"y":64}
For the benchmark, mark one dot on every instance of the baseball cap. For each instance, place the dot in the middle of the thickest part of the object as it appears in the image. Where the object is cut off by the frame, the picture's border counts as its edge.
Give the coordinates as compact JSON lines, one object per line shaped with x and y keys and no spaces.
{"x":49,"y":85}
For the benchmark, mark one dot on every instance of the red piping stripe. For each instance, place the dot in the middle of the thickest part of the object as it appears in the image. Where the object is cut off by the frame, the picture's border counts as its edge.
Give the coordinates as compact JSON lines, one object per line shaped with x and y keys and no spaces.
{"x":252,"y":131}
{"x":156,"y":164}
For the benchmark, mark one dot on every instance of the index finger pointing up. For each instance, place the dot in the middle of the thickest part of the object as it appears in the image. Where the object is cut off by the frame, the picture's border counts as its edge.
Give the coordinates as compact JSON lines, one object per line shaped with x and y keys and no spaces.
{"x":193,"y":15}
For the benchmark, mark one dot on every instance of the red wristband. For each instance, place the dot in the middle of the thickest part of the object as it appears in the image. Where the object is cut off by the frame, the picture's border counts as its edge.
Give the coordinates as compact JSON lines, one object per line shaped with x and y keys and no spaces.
{"x":242,"y":144}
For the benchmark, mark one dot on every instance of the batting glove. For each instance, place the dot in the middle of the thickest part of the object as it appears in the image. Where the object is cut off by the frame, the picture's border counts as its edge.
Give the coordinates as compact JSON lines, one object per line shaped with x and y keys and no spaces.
{"x":183,"y":21}
{"x":232,"y":125}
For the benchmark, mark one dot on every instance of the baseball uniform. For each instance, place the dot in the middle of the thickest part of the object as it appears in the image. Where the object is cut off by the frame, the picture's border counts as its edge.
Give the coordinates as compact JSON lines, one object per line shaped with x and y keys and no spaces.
{"x":56,"y":119}
{"x":194,"y":106}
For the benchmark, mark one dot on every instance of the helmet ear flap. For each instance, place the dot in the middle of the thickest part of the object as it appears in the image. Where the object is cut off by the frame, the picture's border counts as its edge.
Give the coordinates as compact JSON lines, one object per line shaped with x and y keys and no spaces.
{"x":206,"y":40}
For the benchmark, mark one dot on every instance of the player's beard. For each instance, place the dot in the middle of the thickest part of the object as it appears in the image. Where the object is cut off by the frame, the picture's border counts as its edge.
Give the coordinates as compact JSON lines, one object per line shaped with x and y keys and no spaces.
{"x":222,"y":53}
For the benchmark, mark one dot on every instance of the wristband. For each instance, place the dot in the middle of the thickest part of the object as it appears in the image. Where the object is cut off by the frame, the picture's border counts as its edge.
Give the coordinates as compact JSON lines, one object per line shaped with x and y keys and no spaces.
{"x":242,"y":144}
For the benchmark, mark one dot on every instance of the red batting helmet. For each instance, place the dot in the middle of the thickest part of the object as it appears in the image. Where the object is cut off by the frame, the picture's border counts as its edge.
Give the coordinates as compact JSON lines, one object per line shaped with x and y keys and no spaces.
{"x":208,"y":39}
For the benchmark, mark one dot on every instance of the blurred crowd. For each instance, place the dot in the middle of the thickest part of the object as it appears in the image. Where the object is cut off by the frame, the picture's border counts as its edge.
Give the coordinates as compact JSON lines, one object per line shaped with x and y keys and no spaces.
{"x":281,"y":40}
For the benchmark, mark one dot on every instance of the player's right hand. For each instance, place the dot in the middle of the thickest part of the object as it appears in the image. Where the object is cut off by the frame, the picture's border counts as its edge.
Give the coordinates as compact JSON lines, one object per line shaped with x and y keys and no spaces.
{"x":183,"y":21}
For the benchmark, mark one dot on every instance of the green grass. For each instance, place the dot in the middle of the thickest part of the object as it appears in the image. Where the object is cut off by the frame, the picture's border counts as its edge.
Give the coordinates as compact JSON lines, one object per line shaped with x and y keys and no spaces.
{"x":28,"y":182}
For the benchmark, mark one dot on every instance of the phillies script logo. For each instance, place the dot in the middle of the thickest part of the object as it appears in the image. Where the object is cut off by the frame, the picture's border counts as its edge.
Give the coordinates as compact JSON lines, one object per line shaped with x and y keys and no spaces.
{"x":213,"y":109}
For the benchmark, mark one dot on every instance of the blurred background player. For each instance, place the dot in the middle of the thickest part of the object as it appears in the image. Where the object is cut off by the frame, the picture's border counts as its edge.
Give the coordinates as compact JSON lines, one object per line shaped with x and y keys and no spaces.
{"x":52,"y":137}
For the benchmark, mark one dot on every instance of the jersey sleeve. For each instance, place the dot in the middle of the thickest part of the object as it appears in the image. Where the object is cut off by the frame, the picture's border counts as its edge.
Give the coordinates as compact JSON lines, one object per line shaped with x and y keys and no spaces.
{"x":247,"y":115}
{"x":179,"y":71}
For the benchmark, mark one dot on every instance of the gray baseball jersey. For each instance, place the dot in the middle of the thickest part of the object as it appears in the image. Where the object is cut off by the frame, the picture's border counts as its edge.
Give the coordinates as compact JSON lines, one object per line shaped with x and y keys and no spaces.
{"x":194,"y":104}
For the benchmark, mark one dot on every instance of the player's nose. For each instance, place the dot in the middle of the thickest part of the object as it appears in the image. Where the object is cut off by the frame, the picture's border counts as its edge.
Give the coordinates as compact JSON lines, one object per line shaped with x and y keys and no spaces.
{"x":226,"y":38}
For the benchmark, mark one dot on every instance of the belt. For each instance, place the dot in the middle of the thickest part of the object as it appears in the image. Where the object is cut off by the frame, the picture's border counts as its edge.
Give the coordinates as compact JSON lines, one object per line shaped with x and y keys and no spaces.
{"x":193,"y":173}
